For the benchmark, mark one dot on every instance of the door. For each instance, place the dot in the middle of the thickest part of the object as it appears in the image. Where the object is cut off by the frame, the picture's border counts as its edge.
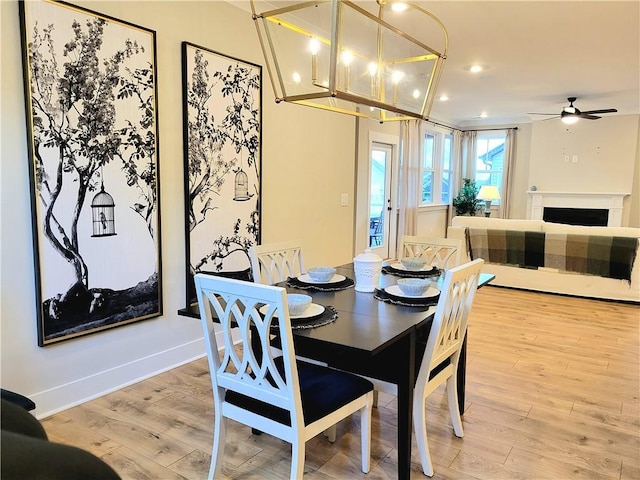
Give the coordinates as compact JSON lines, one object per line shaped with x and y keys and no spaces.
{"x":380,"y":205}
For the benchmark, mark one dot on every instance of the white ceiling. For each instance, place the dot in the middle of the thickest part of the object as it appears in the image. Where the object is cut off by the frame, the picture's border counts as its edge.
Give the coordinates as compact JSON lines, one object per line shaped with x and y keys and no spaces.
{"x":535,"y":55}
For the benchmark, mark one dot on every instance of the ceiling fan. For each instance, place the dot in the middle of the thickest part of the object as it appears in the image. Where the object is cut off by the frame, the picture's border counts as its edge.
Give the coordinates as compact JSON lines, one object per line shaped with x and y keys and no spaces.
{"x":571,"y":114}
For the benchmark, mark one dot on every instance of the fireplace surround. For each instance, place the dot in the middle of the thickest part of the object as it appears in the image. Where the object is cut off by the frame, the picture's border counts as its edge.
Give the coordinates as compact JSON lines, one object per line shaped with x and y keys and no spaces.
{"x":611,"y":202}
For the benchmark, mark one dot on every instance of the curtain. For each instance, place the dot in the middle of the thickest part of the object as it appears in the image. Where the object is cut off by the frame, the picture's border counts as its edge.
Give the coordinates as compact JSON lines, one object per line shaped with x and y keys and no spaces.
{"x":456,"y":174}
{"x":508,"y":171}
{"x":409,"y":179}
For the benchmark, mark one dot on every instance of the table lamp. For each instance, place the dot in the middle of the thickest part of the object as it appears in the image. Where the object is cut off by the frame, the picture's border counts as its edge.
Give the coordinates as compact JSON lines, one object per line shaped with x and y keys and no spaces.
{"x":488,"y":193}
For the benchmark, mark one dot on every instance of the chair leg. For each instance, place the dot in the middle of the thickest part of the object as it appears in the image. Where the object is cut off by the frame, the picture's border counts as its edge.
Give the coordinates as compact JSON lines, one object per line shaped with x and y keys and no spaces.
{"x":219,"y":434}
{"x":375,"y":398}
{"x":420,"y":429}
{"x":297,"y":458}
{"x":365,"y":433}
{"x":331,"y":434}
{"x":452,"y":397}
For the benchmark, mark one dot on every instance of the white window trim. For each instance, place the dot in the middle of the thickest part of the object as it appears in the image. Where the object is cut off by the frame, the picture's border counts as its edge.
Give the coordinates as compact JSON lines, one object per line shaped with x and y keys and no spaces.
{"x":438,"y":152}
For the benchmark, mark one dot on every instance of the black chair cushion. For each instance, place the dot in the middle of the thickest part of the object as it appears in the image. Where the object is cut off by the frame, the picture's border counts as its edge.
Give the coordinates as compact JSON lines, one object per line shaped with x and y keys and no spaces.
{"x":322,"y":389}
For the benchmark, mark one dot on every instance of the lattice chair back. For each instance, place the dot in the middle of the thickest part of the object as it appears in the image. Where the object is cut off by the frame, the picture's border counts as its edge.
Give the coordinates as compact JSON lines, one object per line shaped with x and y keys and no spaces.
{"x":253,"y":386}
{"x":273,"y":263}
{"x":443,"y":253}
{"x":440,"y":361}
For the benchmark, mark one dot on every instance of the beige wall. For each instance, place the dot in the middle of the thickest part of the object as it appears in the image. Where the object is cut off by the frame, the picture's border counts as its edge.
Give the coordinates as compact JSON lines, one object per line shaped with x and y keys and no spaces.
{"x":607,"y":151}
{"x":308,"y":162}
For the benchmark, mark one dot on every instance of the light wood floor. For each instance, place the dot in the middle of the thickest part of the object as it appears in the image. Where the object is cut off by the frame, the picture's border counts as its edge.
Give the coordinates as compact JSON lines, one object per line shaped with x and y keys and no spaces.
{"x":552,"y":393}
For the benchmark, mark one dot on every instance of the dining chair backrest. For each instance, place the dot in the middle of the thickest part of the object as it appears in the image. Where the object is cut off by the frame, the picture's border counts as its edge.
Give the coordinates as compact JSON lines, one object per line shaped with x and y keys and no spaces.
{"x":274,"y":262}
{"x":270,"y":392}
{"x":442,"y":353}
{"x":443,"y":253}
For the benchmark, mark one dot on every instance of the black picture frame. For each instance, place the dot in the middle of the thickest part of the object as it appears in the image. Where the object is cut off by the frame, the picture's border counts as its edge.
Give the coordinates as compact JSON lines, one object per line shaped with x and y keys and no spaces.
{"x":222,"y":134}
{"x":92,"y":129}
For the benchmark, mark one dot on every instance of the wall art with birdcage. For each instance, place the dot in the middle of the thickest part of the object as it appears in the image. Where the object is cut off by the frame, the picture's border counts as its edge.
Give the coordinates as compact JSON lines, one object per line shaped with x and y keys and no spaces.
{"x":91,"y":103}
{"x":222,"y":119}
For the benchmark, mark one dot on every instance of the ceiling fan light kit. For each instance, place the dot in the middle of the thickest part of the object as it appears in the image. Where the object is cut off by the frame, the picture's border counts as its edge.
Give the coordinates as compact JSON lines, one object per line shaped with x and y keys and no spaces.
{"x":363,"y":58}
{"x":570,"y":115}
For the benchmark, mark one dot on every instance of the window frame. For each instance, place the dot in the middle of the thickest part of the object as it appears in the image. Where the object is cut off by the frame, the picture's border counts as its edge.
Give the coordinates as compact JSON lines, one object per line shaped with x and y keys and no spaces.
{"x":492,"y":172}
{"x":437,"y":169}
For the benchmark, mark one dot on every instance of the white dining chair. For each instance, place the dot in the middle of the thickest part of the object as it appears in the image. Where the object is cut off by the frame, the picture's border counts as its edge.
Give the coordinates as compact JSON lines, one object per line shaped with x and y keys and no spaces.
{"x":281,"y":396}
{"x":440,"y":360}
{"x":440,"y":252}
{"x":274,"y":262}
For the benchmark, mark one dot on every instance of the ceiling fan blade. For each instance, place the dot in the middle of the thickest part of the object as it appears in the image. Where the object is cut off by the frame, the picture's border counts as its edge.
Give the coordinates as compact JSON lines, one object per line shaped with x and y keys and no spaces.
{"x":606,"y":110}
{"x":589,"y":117}
{"x":552,"y":118}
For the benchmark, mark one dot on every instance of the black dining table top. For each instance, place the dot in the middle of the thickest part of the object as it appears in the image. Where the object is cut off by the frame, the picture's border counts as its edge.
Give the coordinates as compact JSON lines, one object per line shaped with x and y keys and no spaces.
{"x":363,"y":322}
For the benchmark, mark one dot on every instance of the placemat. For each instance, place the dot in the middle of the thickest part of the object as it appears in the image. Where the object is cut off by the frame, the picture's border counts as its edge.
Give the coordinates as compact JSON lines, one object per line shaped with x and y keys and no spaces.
{"x":385,"y":296}
{"x":327,"y":316}
{"x":434,"y":272}
{"x":294,"y":282}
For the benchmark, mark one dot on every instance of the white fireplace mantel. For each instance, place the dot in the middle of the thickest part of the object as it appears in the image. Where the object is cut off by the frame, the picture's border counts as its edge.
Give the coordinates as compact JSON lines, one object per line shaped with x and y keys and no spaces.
{"x":613,"y":202}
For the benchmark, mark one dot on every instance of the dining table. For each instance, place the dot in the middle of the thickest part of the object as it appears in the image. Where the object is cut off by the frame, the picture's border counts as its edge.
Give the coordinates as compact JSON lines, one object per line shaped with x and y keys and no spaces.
{"x":377,"y":339}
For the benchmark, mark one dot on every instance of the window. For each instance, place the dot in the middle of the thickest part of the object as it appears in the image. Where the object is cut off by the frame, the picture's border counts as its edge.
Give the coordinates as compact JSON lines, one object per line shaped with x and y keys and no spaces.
{"x":428,"y":170}
{"x":436,"y":167}
{"x":490,"y":159}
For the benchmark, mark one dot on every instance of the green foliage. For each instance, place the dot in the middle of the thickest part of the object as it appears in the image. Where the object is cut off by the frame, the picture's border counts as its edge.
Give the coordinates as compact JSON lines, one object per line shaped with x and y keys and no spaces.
{"x":467,"y":203}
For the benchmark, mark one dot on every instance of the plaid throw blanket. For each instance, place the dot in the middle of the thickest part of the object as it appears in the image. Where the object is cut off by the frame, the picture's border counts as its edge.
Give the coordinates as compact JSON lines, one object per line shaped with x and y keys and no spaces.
{"x":610,"y":257}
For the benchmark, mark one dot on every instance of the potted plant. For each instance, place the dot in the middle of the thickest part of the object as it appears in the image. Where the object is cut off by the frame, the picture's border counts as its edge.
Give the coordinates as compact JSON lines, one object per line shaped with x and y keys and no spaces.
{"x":467,"y":203}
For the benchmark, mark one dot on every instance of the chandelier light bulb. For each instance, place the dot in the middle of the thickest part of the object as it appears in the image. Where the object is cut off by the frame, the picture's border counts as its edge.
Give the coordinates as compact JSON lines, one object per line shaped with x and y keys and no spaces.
{"x":314,"y":46}
{"x":347,"y":57}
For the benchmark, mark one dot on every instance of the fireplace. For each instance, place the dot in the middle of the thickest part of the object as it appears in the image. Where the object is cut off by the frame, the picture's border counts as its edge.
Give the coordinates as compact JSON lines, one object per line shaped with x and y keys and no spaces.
{"x":592,"y":217}
{"x":577,"y":208}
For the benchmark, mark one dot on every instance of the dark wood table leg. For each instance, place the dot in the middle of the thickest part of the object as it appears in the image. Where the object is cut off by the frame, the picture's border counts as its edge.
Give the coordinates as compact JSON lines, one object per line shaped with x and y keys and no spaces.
{"x":406,"y":383}
{"x":462,"y":375}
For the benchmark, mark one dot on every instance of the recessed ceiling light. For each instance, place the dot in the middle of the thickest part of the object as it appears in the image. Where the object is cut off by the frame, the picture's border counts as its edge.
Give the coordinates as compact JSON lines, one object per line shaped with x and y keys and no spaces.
{"x":444,"y":98}
{"x":475,"y":68}
{"x":483,"y":115}
{"x":399,"y":6}
{"x":296,"y":77}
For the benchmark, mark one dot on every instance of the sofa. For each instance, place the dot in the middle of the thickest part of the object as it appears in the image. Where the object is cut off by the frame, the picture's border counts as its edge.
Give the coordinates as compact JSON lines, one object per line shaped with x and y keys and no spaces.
{"x":593,"y":262}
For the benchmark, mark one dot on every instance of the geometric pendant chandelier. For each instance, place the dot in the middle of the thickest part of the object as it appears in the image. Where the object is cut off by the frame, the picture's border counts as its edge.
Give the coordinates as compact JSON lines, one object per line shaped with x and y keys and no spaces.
{"x":374,"y":59}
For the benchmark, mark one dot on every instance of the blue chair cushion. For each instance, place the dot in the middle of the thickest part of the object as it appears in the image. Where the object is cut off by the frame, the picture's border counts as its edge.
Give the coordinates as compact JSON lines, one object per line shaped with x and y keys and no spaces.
{"x":322,"y":390}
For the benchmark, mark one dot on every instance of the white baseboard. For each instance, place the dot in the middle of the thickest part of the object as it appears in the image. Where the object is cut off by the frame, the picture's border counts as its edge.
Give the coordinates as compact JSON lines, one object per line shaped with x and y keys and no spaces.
{"x":82,"y":390}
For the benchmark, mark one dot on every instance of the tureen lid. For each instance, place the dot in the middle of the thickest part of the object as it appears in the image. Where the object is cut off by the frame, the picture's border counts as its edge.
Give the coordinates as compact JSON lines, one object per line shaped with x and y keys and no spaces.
{"x":367,"y":256}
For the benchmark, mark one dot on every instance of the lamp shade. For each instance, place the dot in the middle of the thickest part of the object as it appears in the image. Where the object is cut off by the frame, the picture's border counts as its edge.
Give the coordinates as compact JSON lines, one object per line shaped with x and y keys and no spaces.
{"x":489,"y":192}
{"x":361,"y":58}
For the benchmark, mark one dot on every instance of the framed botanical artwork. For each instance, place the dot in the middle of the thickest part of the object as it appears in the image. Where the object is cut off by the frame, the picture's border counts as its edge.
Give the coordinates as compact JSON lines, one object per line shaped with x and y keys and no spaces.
{"x":222,"y":115}
{"x":92,"y":123}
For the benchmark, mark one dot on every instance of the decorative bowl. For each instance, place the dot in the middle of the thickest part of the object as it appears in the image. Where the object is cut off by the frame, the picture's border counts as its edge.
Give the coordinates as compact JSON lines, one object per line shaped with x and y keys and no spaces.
{"x":321,"y":274}
{"x":413,"y":263}
{"x":413,"y":286}
{"x":298,"y":303}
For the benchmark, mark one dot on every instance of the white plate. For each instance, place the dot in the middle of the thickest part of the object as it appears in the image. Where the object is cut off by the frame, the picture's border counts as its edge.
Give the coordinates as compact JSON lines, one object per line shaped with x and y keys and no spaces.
{"x":313,"y":310}
{"x":307,"y":279}
{"x":399,"y":266}
{"x":395,"y":291}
